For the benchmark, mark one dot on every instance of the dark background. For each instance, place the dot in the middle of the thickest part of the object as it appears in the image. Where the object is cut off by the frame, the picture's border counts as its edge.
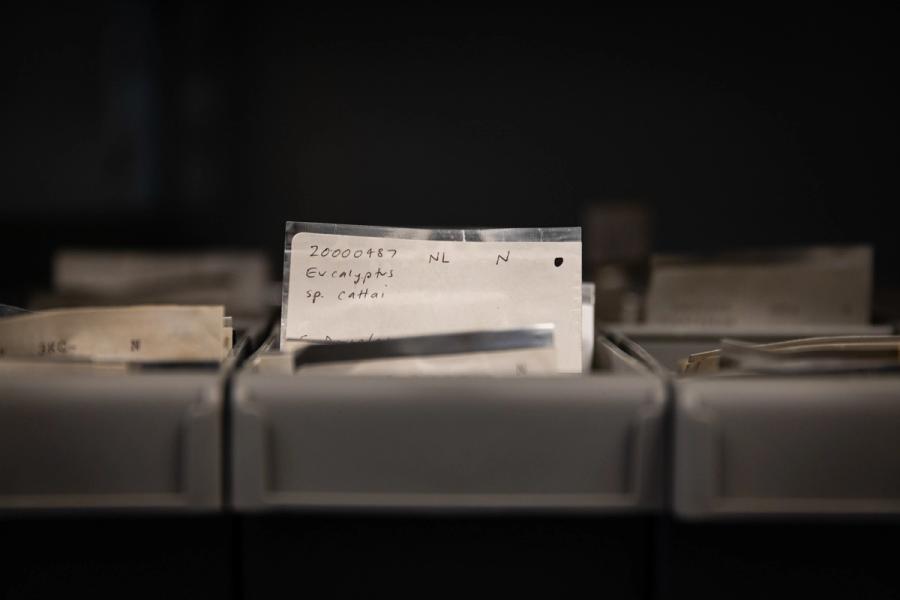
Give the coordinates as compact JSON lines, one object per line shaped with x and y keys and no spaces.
{"x":179,"y":125}
{"x":170,"y":125}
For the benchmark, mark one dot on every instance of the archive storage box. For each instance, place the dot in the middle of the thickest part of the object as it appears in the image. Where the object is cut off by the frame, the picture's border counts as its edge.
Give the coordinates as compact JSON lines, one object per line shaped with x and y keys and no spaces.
{"x":757,"y":445}
{"x":789,"y":485}
{"x":760,"y":446}
{"x":405,"y":486}
{"x":113,"y":483}
{"x":781,"y":486}
{"x":557,"y":443}
{"x":145,"y":441}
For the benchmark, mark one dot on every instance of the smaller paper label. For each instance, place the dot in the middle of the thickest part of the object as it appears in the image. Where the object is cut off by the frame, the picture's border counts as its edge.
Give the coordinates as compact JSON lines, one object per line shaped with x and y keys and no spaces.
{"x":129,"y":334}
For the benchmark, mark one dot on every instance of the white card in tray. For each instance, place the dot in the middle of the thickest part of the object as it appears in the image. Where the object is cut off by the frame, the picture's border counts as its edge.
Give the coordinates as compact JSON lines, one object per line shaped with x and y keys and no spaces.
{"x":363,"y":287}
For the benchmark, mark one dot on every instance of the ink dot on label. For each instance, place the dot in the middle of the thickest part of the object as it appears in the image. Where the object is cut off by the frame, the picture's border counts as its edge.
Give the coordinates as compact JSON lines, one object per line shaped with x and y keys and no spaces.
{"x":557,"y":261}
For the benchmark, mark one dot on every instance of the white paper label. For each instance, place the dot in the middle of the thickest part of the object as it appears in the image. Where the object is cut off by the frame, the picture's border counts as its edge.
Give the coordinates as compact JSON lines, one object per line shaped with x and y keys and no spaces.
{"x":122,"y":333}
{"x":351,"y":288}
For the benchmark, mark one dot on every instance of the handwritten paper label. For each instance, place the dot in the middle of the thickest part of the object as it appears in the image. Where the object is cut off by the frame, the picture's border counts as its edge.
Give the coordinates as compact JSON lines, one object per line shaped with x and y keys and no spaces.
{"x":351,"y":288}
{"x":130,"y":334}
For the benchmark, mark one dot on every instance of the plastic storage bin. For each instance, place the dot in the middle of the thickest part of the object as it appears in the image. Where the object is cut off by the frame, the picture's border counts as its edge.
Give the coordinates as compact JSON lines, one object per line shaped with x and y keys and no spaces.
{"x":787,"y":485}
{"x":568,"y":443}
{"x":754,"y":446}
{"x":471,"y":480}
{"x":111,"y":441}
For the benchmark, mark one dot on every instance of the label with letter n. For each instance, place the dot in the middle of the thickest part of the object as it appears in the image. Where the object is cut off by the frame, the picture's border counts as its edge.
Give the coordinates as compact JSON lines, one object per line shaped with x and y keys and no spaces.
{"x":354,"y":283}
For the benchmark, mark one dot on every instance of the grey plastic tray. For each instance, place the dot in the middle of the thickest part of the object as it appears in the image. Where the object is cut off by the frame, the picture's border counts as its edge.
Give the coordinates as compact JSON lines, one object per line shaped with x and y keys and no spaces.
{"x":787,"y":446}
{"x":123,"y":441}
{"x":559,"y":443}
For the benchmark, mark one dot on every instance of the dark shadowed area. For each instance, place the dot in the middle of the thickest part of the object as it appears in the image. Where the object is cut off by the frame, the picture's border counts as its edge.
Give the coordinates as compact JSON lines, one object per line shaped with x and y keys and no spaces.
{"x":179,"y":125}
